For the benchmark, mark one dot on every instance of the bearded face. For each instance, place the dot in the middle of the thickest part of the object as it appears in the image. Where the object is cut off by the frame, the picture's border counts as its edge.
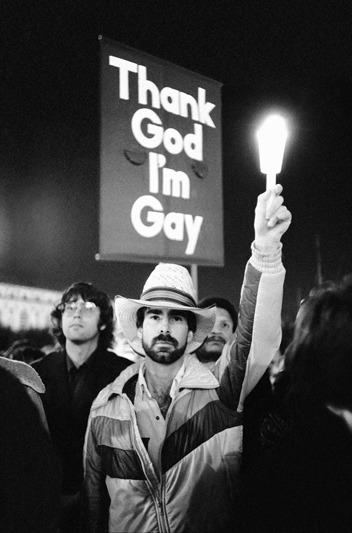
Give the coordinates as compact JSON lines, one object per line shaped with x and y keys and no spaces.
{"x":165,"y":334}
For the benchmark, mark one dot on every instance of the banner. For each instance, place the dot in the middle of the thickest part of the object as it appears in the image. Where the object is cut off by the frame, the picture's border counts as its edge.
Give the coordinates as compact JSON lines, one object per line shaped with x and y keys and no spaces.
{"x":161,"y":161}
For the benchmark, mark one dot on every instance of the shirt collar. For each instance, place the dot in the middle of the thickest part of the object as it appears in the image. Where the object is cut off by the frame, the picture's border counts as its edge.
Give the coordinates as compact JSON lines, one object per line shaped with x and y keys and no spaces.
{"x":88,"y":363}
{"x":175,"y":382}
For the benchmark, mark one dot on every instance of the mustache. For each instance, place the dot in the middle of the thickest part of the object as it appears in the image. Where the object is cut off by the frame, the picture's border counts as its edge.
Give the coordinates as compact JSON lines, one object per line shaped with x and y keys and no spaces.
{"x":165,"y":338}
{"x":216,"y":338}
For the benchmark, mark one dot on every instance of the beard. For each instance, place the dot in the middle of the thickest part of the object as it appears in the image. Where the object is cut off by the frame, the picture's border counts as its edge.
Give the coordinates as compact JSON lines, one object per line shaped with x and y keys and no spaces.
{"x":164,"y":355}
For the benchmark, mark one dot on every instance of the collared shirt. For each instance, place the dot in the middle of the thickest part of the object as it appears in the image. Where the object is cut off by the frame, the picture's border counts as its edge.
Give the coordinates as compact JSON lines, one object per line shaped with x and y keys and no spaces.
{"x":77,"y":375}
{"x":67,"y":405}
{"x":151,"y":423}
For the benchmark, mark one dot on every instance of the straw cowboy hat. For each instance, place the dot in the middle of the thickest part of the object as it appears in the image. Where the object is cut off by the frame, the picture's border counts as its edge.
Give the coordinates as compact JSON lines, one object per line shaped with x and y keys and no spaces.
{"x":169,"y":286}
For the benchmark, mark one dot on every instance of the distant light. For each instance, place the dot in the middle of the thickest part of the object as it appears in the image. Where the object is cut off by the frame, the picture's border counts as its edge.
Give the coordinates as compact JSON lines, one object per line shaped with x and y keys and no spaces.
{"x":271,"y":136}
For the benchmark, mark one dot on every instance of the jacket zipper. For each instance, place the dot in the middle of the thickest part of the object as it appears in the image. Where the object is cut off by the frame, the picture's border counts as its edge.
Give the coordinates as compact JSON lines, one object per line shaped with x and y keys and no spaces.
{"x":156,"y":494}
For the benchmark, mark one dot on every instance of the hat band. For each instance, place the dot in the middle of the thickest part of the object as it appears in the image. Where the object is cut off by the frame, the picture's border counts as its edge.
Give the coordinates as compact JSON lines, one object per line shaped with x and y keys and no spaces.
{"x":169,"y":295}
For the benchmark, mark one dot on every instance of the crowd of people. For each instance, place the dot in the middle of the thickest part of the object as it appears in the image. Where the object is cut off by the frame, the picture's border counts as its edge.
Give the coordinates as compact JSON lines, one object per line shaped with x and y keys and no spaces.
{"x":216,"y":421}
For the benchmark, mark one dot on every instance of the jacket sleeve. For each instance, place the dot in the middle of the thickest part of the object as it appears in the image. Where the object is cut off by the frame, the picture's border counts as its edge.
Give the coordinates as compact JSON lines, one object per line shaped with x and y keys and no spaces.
{"x":95,"y":499}
{"x":258,"y":334}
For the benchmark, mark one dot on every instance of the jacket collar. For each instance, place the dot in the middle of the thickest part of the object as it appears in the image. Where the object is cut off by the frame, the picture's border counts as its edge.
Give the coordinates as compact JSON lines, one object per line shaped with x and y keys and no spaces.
{"x":196,"y":376}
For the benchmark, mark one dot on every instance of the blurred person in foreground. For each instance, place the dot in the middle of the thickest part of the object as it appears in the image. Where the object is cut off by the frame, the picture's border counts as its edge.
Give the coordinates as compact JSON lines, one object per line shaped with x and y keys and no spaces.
{"x":277,"y":419}
{"x":73,"y":376}
{"x":29,"y":471}
{"x":304,"y":483}
{"x":31,"y":381}
{"x":163,"y":443}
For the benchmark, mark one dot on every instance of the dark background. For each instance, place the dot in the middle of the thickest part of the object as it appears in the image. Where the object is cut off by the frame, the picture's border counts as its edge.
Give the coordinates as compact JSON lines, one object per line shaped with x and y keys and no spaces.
{"x":294,"y":57}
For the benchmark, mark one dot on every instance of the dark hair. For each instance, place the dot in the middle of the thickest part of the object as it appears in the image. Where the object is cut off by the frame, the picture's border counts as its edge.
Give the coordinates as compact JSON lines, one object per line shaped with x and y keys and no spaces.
{"x":88,"y":293}
{"x":287,"y":329}
{"x":190,"y":317}
{"x":319,"y":359}
{"x":224,"y":304}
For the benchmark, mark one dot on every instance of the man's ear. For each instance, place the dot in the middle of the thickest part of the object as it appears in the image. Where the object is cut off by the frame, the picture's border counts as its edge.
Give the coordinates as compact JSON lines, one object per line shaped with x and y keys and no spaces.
{"x":139,"y":333}
{"x":190,"y":336}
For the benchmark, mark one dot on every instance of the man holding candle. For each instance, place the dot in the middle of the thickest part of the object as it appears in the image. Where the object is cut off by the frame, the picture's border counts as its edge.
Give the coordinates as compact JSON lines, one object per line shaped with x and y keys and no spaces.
{"x":163,"y":442}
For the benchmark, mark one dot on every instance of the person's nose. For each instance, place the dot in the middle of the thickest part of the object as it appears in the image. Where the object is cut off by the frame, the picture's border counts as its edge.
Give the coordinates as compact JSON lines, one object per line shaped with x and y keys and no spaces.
{"x":78,"y":311}
{"x":165,"y":325}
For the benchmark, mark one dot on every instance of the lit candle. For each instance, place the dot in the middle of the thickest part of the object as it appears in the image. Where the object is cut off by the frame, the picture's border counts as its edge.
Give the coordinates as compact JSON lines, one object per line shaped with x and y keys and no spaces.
{"x":272,"y":136}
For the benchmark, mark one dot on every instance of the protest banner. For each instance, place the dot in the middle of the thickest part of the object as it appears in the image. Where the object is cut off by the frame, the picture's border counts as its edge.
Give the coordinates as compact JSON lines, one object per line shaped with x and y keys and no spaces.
{"x":160,"y":161}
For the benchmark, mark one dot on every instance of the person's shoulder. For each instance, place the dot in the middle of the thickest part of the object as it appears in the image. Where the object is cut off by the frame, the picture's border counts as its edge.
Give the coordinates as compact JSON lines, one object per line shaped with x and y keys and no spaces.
{"x":109,"y":356}
{"x":111,"y":359}
{"x":112,"y":392}
{"x":50,"y":361}
{"x":24,"y":373}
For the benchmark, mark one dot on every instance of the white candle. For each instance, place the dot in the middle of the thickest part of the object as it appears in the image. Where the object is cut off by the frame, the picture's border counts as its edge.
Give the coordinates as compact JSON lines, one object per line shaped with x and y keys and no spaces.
{"x":272,"y":136}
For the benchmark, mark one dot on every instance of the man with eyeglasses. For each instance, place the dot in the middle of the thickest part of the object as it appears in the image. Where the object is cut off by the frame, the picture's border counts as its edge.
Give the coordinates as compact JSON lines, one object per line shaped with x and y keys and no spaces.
{"x":73,"y":376}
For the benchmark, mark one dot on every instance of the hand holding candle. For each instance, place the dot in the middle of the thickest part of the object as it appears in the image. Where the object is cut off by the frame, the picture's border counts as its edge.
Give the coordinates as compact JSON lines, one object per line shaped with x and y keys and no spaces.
{"x":270,"y":222}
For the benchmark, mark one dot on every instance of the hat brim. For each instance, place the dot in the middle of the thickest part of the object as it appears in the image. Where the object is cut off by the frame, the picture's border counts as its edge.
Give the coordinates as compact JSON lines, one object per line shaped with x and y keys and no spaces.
{"x":126,"y":310}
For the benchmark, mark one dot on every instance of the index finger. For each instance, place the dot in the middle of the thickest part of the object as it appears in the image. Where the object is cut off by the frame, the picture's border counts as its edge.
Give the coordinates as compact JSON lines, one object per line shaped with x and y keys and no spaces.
{"x":275,"y":191}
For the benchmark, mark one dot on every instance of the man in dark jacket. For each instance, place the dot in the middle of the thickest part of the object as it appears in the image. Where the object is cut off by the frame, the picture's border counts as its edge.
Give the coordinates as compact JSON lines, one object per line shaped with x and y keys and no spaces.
{"x":73,"y":376}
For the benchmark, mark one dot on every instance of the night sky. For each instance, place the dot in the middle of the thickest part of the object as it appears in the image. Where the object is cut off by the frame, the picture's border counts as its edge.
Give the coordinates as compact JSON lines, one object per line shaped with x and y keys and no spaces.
{"x":294,"y":57}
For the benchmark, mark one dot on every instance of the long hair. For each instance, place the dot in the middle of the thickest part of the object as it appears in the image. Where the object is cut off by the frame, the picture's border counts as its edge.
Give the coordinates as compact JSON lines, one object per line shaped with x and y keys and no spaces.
{"x":88,"y":293}
{"x":319,"y":359}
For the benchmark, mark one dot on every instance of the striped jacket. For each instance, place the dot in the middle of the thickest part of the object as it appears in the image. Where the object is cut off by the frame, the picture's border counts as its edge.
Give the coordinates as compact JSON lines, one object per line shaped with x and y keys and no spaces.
{"x":202,"y":450}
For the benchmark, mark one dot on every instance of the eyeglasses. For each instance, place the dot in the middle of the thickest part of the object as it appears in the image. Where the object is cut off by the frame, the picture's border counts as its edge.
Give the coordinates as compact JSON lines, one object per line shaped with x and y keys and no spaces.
{"x":83,"y":308}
